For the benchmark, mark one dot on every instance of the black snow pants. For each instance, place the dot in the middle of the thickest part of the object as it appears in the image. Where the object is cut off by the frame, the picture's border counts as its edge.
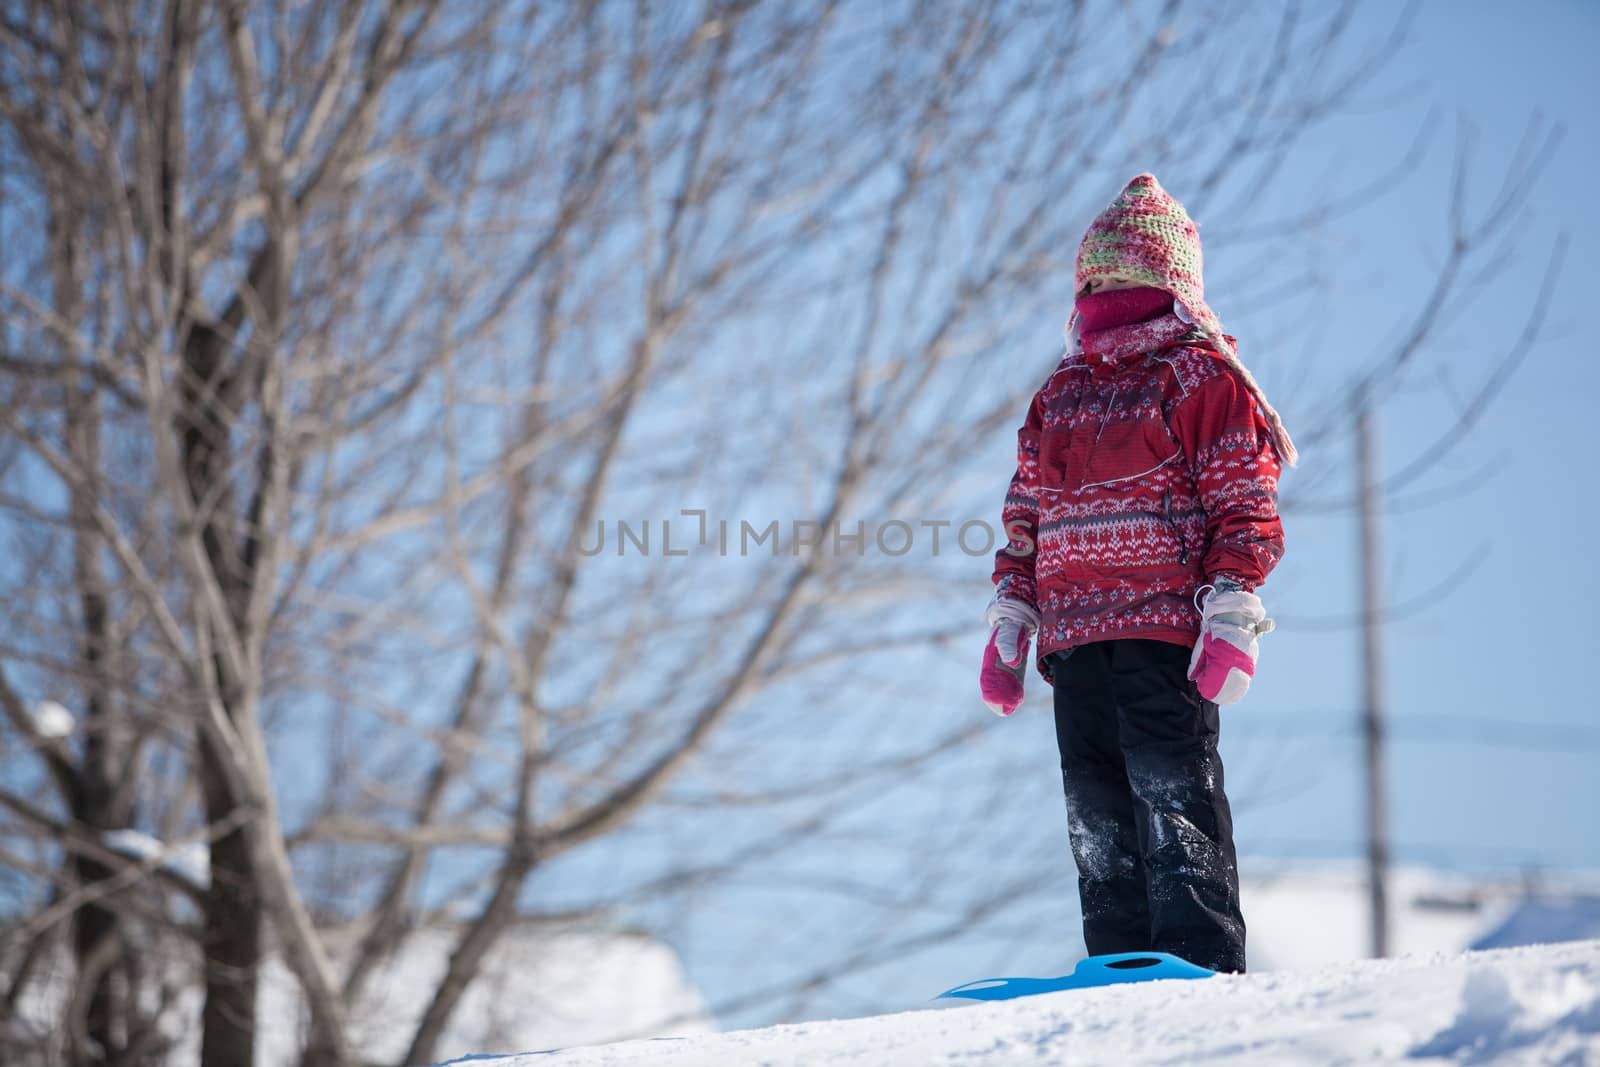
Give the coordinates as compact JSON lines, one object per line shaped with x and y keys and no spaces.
{"x":1148,"y":820}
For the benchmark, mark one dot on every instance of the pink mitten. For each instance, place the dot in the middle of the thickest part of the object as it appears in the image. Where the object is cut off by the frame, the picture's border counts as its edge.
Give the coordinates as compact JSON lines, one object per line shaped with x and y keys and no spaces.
{"x":1224,"y":659}
{"x":1005,"y":657}
{"x":1005,"y":663}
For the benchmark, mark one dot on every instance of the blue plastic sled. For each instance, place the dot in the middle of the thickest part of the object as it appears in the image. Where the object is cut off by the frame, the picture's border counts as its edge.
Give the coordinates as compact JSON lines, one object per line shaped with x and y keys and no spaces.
{"x":1110,"y":969}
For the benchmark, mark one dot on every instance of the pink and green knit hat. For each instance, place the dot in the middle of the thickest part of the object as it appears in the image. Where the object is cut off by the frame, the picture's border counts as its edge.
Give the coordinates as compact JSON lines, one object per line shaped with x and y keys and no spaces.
{"x":1146,"y":237}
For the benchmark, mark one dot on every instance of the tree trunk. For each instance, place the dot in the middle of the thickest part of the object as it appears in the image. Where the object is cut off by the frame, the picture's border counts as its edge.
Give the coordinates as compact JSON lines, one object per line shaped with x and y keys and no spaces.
{"x":233,"y":909}
{"x":232,"y":932}
{"x":94,"y":1037}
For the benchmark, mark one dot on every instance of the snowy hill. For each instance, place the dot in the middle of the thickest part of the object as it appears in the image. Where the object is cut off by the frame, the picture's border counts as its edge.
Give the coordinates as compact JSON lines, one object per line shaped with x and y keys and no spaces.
{"x":1306,"y":914}
{"x":539,"y":986}
{"x":1532,"y":1005}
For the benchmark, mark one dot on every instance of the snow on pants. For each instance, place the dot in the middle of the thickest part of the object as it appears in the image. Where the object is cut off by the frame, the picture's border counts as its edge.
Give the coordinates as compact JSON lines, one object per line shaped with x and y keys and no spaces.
{"x":1149,"y":822}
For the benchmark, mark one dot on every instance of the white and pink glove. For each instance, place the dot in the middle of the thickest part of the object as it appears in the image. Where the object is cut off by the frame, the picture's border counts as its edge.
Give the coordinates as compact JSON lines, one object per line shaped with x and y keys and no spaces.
{"x":1224,"y":658}
{"x":1005,"y":658}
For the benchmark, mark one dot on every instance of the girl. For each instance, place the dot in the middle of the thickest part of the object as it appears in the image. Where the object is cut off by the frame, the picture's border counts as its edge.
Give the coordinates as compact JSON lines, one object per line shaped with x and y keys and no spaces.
{"x":1141,"y":519}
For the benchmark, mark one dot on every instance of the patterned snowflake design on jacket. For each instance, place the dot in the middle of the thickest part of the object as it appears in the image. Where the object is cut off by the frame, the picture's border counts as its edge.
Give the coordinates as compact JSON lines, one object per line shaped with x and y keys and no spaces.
{"x":1145,"y":468}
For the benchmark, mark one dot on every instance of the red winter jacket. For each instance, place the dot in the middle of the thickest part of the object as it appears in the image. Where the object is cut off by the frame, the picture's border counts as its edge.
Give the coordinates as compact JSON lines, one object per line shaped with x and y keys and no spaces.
{"x":1144,"y":470}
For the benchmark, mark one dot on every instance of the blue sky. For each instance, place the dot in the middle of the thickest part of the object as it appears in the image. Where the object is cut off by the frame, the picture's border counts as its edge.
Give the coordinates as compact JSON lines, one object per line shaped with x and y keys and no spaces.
{"x":1490,"y":689}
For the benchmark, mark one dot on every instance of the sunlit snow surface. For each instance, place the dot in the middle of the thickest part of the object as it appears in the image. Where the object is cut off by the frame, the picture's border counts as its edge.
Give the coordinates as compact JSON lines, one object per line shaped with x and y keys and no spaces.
{"x":1531,"y":1005}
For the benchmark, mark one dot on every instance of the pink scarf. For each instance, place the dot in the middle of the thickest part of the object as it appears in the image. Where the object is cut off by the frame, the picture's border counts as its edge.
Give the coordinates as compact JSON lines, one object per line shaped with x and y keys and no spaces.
{"x":1120,"y":307}
{"x":1125,"y":322}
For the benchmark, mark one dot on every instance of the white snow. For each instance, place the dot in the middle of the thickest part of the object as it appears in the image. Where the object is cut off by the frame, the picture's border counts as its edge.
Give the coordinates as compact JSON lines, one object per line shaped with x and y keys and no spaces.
{"x":135,"y":844}
{"x":1306,"y":914}
{"x":190,"y":860}
{"x":1536,"y":1005}
{"x":539,"y":988}
{"x":1545,"y":915}
{"x":1302,"y":914}
{"x":554,"y":989}
{"x":52,"y":722}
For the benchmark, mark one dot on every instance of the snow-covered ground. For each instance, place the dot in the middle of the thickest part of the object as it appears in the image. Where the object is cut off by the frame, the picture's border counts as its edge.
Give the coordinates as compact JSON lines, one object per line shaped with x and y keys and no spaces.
{"x":538,"y":987}
{"x":1306,"y":914}
{"x":1302,"y":914}
{"x":1532,"y":1005}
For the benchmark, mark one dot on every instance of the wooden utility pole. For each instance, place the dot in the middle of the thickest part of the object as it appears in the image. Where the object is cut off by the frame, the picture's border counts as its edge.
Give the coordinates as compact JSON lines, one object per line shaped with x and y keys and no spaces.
{"x":1372,"y":672}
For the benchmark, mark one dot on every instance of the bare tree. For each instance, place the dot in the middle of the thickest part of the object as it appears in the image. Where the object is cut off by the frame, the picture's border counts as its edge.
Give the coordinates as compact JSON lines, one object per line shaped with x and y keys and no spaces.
{"x":337,"y":335}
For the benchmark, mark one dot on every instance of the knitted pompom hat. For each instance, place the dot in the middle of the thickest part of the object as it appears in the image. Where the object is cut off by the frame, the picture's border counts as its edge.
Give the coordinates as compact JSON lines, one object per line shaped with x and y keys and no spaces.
{"x":1145,"y":237}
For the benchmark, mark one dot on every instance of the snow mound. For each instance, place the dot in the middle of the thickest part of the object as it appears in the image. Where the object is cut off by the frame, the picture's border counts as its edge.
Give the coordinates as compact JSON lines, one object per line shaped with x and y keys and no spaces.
{"x":1542,"y":917}
{"x":539,"y":986}
{"x":1533,"y":1005}
{"x":52,"y":722}
{"x":553,"y":987}
{"x":1308,"y":915}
